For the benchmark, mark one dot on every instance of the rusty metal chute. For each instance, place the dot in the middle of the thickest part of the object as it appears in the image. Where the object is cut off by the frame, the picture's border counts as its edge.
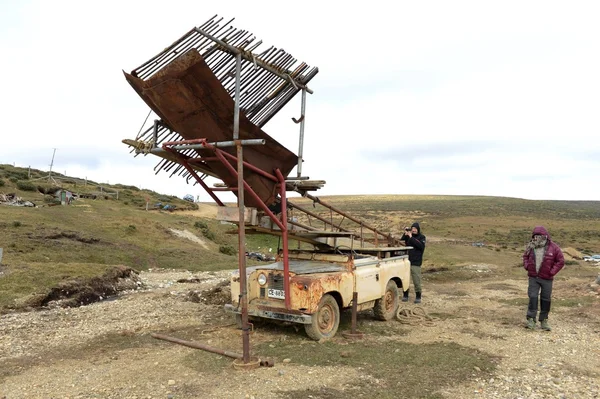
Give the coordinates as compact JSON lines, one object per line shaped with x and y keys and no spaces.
{"x":191,"y":87}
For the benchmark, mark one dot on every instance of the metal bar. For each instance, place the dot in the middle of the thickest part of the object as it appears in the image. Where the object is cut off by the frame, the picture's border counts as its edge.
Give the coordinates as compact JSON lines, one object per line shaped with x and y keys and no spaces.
{"x":202,"y":143}
{"x":373,"y":229}
{"x":250,"y":191}
{"x":322,"y":219}
{"x":192,"y":39}
{"x":252,"y":167}
{"x":198,"y":345}
{"x":354,"y":311}
{"x":284,"y":235}
{"x":302,"y":119}
{"x":284,"y":101}
{"x":309,"y":228}
{"x":241,"y":224}
{"x":198,"y":179}
{"x":252,"y":59}
{"x":206,"y":145}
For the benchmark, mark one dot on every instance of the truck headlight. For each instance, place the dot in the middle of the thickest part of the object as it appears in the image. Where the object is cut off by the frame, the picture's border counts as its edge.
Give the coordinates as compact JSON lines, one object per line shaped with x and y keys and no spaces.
{"x":262,"y":279}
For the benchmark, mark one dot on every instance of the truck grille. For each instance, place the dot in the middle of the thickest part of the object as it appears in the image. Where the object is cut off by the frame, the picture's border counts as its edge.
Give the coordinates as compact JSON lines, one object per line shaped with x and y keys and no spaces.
{"x":275,"y":281}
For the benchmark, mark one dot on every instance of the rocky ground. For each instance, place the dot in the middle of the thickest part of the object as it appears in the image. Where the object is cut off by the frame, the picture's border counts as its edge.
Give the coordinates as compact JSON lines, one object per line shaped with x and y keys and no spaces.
{"x":104,"y":350}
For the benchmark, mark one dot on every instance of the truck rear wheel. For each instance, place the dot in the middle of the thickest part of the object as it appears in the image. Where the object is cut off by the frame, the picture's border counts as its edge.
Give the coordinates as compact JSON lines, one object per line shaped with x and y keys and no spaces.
{"x":325,"y":321}
{"x":385,"y":308}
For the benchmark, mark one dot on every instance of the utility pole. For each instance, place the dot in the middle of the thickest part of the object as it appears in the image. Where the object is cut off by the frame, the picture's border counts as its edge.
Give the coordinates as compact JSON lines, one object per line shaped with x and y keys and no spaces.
{"x":51,"y":164}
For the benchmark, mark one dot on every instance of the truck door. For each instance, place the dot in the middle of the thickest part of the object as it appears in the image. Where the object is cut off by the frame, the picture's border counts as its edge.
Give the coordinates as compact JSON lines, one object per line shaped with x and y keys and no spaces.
{"x":367,"y":281}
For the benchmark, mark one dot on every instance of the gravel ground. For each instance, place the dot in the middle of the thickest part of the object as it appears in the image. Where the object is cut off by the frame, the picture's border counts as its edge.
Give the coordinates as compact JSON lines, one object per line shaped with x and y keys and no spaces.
{"x":64,"y":353}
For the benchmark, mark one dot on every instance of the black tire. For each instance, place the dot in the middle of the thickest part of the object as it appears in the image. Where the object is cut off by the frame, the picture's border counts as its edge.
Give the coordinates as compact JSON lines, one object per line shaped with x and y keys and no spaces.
{"x":385,"y":308}
{"x":325,"y":321}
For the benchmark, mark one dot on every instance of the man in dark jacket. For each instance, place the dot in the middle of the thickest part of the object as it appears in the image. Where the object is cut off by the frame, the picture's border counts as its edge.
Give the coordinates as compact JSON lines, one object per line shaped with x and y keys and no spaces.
{"x":413,"y":238}
{"x":542,"y":260}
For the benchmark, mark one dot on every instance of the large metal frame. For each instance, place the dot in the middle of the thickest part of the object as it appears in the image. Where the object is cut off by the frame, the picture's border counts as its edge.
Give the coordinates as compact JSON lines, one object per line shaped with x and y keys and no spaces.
{"x":259,"y":85}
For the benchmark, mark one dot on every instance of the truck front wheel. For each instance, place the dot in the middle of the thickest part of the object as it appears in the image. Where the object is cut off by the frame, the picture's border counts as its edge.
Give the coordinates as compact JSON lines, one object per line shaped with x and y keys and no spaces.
{"x":385,"y":308}
{"x":325,"y":321}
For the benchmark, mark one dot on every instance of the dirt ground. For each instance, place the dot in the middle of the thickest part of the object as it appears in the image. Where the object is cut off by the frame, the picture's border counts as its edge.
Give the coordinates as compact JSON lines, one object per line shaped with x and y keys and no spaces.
{"x":104,"y":350}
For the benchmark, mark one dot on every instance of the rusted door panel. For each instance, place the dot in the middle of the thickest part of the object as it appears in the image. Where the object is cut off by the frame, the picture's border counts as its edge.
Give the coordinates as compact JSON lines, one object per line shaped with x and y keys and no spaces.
{"x":191,"y":100}
{"x":369,"y":284}
{"x":395,"y":267}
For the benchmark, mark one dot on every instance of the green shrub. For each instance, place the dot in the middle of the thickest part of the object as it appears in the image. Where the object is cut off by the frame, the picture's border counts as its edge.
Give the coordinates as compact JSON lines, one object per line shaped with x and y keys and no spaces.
{"x":208,"y":234}
{"x":200,"y":225}
{"x":571,"y":263}
{"x":2,"y":183}
{"x":26,"y":186}
{"x":16,"y":223}
{"x":50,"y":199}
{"x":13,"y":179}
{"x":227,"y":250}
{"x":18,"y":175}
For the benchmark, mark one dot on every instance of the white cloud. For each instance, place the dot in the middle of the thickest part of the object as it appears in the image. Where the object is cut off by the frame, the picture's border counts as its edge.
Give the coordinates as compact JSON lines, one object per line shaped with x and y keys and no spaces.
{"x":516,"y":82}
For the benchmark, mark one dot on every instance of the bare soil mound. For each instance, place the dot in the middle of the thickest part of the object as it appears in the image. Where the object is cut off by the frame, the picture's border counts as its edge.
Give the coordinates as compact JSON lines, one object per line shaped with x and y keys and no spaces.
{"x":83,"y":291}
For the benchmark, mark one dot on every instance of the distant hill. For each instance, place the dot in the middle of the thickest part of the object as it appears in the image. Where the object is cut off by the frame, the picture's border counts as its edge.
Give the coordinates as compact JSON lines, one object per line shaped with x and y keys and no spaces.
{"x":38,"y":186}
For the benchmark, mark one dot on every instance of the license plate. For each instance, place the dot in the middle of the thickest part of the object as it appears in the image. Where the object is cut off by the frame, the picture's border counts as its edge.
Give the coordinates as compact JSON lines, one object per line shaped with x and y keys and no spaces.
{"x":279,"y":294}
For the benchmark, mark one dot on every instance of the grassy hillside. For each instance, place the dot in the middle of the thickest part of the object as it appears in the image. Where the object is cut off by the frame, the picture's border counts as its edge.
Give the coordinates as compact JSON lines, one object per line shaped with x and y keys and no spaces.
{"x":46,"y":244}
{"x":49,"y":243}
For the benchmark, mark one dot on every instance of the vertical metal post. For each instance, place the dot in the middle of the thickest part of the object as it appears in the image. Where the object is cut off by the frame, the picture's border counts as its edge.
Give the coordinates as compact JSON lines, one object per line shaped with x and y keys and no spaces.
{"x":241,"y":225}
{"x":354,"y":311}
{"x":284,"y":237}
{"x":301,"y":146}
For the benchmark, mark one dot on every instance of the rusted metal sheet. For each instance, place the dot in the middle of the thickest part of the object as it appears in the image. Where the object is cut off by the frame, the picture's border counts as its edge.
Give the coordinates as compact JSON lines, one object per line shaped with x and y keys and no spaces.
{"x":314,"y":287}
{"x":192,"y":101}
{"x":304,"y":267}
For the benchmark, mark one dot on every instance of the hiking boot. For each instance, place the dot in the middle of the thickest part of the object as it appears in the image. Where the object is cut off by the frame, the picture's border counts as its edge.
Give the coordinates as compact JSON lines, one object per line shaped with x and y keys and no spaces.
{"x":405,"y":297}
{"x":546,"y":326}
{"x":418,"y":298}
{"x":531,"y":323}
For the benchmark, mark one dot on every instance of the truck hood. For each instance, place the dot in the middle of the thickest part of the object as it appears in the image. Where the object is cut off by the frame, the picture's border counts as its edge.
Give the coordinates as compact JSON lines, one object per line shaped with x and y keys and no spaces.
{"x":299,"y":267}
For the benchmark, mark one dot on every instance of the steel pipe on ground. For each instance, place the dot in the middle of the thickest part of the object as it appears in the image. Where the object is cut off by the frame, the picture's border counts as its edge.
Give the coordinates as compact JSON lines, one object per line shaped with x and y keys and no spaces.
{"x":198,"y":345}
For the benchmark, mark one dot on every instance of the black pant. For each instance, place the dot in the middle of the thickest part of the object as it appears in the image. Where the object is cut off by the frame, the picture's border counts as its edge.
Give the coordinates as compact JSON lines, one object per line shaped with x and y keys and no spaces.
{"x":536,"y":285}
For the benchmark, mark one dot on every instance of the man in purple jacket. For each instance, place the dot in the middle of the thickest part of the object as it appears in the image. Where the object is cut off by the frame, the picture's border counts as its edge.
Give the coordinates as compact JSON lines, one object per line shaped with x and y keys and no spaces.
{"x":542,"y":260}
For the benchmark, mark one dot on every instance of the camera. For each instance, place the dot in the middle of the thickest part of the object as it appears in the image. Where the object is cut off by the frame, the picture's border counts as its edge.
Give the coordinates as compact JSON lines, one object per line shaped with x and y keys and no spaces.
{"x":407,"y":229}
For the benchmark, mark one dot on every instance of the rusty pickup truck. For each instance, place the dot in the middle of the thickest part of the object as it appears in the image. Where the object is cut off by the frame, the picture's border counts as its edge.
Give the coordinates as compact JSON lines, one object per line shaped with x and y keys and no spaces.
{"x":323,"y":284}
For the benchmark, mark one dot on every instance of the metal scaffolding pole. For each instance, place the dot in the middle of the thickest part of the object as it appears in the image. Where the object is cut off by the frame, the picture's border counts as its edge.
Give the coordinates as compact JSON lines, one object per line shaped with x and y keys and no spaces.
{"x":301,"y":145}
{"x":241,"y":224}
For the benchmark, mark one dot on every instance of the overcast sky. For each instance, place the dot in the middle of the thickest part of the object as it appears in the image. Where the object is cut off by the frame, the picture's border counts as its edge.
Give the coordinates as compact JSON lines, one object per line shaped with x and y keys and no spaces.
{"x":413,"y":97}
